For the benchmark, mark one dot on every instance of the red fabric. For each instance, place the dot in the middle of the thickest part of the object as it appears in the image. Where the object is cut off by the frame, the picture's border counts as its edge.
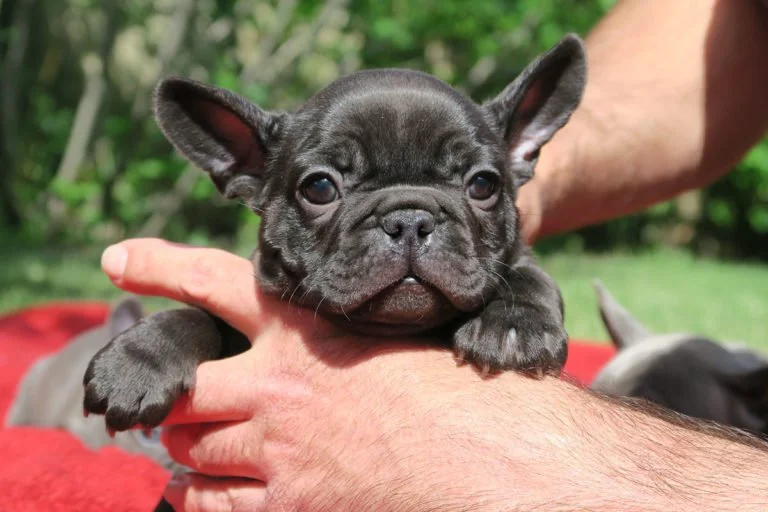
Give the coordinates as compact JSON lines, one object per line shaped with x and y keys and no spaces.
{"x":50,"y":470}
{"x":585,"y":359}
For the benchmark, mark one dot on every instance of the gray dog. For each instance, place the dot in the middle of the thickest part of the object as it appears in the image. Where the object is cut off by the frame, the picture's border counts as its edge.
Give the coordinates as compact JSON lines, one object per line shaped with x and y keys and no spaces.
{"x":388,"y":206}
{"x":689,"y":374}
{"x":51,"y":392}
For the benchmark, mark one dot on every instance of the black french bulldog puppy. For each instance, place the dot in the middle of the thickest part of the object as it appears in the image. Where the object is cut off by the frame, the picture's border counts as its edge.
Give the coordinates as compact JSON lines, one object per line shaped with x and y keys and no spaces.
{"x":388,"y":206}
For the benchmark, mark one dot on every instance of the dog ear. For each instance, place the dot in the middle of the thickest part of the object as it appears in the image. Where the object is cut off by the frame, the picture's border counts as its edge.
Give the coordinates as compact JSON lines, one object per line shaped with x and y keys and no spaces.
{"x":539,"y":102}
{"x":219,"y":131}
{"x":125,"y":313}
{"x":625,"y":330}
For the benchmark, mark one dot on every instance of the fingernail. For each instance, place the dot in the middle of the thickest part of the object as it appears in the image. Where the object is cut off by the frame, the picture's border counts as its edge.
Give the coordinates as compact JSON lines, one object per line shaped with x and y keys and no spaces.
{"x":113,"y":261}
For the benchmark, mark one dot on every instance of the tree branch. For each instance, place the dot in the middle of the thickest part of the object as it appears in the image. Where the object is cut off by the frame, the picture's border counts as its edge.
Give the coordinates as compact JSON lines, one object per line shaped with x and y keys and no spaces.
{"x":170,"y":204}
{"x":10,"y":88}
{"x":89,"y":108}
{"x":293,"y":47}
{"x":168,"y":49}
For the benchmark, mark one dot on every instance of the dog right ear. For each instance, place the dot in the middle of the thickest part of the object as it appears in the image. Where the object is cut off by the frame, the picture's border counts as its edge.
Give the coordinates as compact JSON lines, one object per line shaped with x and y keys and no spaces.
{"x":540,"y":101}
{"x":219,"y":131}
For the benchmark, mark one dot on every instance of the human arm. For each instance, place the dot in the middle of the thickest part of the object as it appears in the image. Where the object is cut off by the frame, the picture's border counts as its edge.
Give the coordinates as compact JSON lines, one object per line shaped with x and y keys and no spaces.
{"x":301,"y":421}
{"x":675,"y":96}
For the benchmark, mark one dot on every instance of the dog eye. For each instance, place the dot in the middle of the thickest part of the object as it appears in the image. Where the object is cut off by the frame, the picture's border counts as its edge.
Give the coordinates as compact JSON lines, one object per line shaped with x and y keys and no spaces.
{"x":482,"y":186}
{"x":319,"y":190}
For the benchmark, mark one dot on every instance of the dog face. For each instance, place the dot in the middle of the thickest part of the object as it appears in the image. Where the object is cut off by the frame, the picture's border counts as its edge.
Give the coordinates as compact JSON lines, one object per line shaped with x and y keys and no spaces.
{"x":388,"y":198}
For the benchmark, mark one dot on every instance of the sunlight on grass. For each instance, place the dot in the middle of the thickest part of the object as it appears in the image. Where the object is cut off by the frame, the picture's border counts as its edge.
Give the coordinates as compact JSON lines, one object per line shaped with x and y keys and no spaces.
{"x":669,"y":291}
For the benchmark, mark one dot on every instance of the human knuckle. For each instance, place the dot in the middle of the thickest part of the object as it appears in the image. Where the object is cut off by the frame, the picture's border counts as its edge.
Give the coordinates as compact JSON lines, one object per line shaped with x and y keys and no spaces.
{"x":178,"y":445}
{"x":210,"y":453}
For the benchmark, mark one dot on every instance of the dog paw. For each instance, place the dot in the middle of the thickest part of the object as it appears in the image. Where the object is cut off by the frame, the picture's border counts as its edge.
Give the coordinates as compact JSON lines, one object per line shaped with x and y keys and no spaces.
{"x":132,"y":383}
{"x":524,"y":340}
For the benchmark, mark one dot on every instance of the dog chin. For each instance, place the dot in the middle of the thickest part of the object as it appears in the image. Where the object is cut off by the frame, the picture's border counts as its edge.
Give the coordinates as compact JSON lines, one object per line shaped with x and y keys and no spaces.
{"x":409,"y":306}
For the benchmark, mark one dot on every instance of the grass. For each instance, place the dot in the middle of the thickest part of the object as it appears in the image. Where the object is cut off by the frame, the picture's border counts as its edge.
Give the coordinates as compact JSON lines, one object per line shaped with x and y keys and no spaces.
{"x":669,"y":291}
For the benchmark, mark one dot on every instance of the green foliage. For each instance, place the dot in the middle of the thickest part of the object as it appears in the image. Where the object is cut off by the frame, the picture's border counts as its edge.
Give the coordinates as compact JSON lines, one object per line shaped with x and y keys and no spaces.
{"x":278,"y":57}
{"x":642,"y":282}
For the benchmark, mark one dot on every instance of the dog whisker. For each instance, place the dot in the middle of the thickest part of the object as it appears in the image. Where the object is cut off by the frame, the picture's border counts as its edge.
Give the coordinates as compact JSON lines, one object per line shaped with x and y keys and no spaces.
{"x":317,"y":308}
{"x":502,"y":279}
{"x":497,"y":262}
{"x":297,"y":288}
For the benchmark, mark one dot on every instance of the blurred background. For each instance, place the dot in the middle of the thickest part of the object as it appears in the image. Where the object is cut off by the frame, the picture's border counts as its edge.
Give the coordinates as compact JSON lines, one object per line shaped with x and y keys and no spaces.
{"x":82,"y":163}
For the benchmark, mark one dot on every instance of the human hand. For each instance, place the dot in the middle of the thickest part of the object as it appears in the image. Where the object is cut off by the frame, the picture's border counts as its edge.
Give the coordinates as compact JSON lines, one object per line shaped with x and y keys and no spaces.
{"x":304,"y":420}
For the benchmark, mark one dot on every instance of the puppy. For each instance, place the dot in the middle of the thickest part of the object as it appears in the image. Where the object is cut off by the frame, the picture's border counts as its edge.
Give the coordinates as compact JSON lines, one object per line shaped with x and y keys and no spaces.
{"x":689,"y":374}
{"x":51,"y":392}
{"x":387,"y":205}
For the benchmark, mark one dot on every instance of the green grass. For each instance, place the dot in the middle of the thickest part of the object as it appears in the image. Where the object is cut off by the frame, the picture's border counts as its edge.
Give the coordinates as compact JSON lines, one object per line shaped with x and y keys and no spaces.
{"x":668,"y":291}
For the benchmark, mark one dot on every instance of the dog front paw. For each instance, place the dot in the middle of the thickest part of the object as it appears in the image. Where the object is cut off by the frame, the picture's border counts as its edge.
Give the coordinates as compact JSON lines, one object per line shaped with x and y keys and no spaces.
{"x":525,"y":339}
{"x":132,"y":382}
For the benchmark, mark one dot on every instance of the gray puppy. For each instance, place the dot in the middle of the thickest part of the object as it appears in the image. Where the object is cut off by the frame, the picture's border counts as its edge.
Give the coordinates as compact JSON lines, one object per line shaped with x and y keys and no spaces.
{"x":388,"y":206}
{"x":690,"y":374}
{"x":51,"y":392}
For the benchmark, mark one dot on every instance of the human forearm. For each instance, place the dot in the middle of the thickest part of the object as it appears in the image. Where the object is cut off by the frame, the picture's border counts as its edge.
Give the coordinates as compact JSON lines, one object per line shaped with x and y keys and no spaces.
{"x":606,"y":454}
{"x":675,"y":96}
{"x":663,"y":461}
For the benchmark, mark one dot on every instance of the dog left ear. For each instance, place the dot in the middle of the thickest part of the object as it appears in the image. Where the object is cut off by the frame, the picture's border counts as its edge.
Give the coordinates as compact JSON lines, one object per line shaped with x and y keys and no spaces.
{"x":219,"y":131}
{"x":124,"y":315}
{"x":539,"y":102}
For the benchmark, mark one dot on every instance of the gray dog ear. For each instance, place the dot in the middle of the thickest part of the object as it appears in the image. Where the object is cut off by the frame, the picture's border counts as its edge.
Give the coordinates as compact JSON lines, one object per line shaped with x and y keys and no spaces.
{"x":124,"y":315}
{"x":539,"y":102}
{"x":625,"y":330}
{"x":219,"y":131}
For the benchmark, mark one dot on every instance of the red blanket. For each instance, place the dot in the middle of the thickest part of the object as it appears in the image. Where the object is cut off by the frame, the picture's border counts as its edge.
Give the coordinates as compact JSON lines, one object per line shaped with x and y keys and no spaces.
{"x":49,"y":470}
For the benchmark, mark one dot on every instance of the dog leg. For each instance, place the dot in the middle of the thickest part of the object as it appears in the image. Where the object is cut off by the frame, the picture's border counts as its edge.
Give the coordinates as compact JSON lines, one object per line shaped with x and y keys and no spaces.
{"x":137,"y":377}
{"x":521,"y":329}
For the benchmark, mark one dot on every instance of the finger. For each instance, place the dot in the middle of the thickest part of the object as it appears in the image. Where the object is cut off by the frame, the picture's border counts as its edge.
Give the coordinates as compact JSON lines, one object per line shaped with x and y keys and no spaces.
{"x":216,"y":399}
{"x":197,"y":493}
{"x":215,"y":280}
{"x":218,"y":449}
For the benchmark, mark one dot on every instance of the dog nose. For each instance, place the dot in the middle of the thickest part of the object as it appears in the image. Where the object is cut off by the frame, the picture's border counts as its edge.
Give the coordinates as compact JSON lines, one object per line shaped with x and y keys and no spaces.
{"x":410,"y":225}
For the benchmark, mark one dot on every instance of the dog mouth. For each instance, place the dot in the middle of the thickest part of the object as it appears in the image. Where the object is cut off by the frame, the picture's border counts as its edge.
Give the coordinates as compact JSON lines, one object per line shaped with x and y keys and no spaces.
{"x":409,"y":305}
